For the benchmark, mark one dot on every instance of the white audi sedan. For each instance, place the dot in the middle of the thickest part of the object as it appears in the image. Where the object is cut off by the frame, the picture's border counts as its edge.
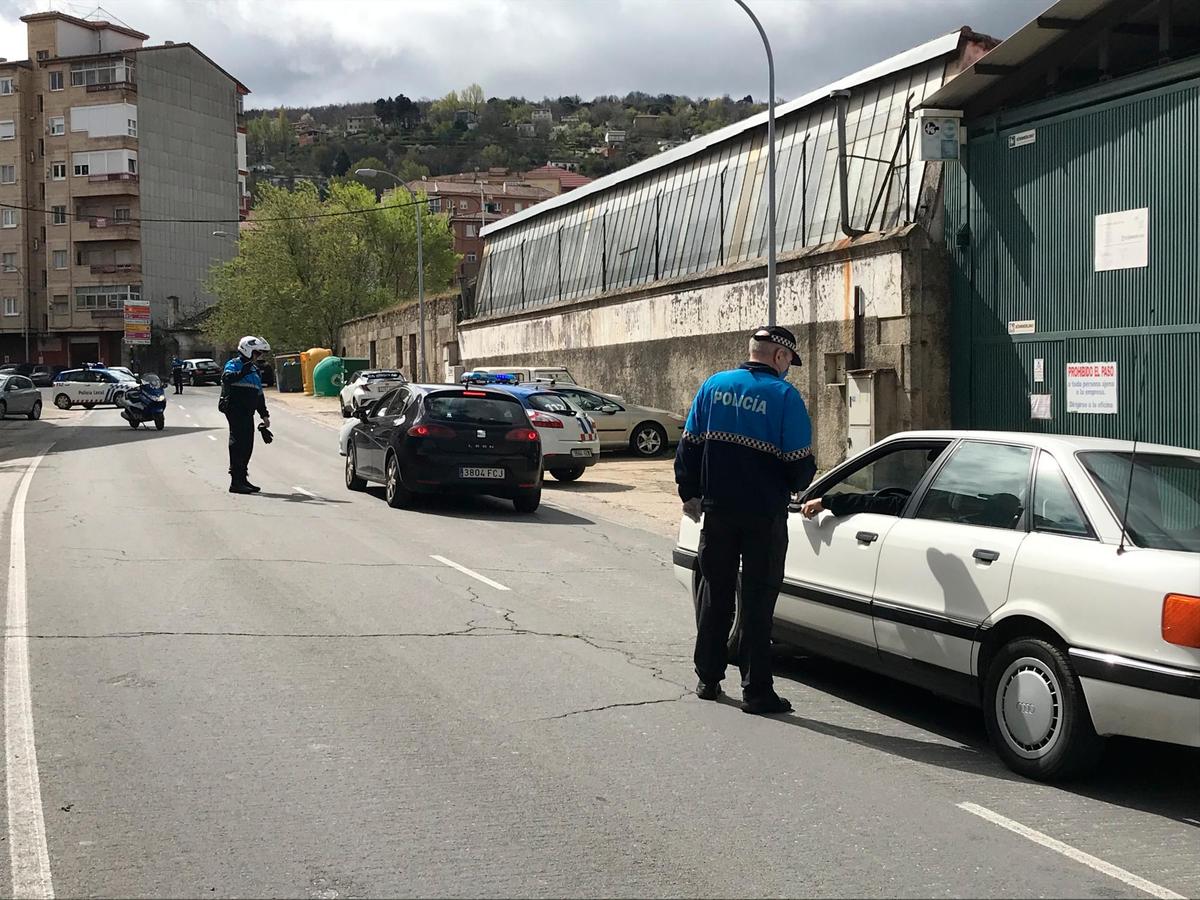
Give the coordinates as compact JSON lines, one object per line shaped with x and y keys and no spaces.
{"x":993,"y":568}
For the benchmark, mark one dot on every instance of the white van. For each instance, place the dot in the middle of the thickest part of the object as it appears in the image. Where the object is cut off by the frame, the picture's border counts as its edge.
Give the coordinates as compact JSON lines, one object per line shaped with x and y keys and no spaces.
{"x":531,"y":373}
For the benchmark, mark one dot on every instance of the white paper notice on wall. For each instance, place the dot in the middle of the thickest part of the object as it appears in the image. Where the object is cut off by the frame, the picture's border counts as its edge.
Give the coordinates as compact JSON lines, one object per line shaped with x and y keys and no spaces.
{"x":1092,"y":388}
{"x":1122,"y":240}
{"x":1039,"y":406}
{"x":1039,"y":370}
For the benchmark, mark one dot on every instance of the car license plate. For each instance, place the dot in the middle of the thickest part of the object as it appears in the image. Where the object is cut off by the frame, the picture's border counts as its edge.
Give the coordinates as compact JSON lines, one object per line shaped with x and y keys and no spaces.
{"x":474,"y":472}
{"x":581,"y":451}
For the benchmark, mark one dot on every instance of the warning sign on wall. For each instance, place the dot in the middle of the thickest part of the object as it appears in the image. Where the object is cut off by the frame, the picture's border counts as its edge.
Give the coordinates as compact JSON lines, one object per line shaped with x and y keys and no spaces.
{"x":1092,"y":388}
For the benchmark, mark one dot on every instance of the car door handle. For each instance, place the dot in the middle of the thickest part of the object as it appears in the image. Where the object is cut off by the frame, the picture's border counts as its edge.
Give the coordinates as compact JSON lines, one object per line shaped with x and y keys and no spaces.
{"x":986,"y":556}
{"x":867,"y":537}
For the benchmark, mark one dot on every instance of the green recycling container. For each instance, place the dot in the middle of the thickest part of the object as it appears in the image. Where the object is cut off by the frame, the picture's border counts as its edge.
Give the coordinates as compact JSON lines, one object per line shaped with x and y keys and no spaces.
{"x":327,"y":377}
{"x":351,"y":366}
{"x":287,"y":374}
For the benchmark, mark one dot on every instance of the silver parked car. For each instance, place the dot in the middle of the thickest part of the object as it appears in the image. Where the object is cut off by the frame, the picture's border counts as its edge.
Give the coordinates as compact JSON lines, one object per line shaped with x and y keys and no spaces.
{"x":19,"y":397}
{"x":643,"y":429}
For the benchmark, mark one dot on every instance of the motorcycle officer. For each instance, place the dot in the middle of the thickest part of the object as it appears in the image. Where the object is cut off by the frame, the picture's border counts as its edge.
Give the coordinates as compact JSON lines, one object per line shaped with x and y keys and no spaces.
{"x":242,"y":397}
{"x":177,"y":374}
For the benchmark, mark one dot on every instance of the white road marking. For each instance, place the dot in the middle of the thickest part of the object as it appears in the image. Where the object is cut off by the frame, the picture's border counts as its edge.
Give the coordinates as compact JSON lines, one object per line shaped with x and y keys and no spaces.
{"x":452,"y":564}
{"x":29,"y":857}
{"x":181,"y":406}
{"x":210,"y":437}
{"x":306,"y":493}
{"x":1093,"y":862}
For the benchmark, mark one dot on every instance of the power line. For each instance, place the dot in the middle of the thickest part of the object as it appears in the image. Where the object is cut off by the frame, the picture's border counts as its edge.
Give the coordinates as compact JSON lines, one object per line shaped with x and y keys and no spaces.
{"x":256,"y":220}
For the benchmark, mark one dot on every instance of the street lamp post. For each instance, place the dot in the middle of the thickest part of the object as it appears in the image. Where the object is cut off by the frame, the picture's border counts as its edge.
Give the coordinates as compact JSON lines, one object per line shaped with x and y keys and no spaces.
{"x":371,"y":173}
{"x":770,"y":163}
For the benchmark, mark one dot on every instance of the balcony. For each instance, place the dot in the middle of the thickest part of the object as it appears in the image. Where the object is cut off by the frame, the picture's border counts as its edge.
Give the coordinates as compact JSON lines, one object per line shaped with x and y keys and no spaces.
{"x":114,"y":185}
{"x":112,"y":86}
{"x":114,"y":268}
{"x":104,"y":229}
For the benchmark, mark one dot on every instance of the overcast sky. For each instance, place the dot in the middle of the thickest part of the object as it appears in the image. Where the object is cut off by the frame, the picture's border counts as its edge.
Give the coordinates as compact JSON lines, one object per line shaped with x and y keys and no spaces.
{"x":309,"y":52}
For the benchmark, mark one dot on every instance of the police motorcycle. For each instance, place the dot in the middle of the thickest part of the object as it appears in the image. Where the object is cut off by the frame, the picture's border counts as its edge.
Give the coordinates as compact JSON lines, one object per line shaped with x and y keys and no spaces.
{"x":145,"y":403}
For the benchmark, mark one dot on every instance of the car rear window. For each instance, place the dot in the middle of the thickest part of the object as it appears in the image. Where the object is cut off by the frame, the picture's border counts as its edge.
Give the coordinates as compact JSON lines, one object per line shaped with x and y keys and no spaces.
{"x":551,"y":403}
{"x":383,"y":376}
{"x":1164,"y":509}
{"x":488,"y":410}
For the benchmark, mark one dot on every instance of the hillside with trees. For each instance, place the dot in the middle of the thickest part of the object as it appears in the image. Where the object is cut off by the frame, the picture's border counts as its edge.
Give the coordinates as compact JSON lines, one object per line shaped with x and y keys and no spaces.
{"x":465,"y":130}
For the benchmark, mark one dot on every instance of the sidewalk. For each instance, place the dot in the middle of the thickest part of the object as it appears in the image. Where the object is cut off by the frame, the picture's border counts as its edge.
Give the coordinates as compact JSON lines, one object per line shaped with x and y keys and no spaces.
{"x":630,"y":490}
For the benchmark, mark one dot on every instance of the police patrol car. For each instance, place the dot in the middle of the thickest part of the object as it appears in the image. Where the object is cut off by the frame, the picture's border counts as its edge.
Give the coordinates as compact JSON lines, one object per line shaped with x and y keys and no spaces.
{"x":90,"y":386}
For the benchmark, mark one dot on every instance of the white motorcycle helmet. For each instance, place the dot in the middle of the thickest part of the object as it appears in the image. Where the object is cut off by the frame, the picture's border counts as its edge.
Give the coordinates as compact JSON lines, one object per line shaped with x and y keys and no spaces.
{"x":248,"y":345}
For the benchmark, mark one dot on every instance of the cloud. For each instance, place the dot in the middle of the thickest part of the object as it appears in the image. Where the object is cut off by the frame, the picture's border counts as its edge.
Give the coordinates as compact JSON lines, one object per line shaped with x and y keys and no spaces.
{"x":307,"y":52}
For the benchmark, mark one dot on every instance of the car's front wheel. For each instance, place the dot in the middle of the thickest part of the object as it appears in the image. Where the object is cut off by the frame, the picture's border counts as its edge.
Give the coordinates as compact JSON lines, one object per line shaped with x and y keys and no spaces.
{"x":571,"y":474}
{"x":649,"y":439}
{"x":62,"y":401}
{"x":36,"y":412}
{"x":353,"y":481}
{"x":1036,"y":713}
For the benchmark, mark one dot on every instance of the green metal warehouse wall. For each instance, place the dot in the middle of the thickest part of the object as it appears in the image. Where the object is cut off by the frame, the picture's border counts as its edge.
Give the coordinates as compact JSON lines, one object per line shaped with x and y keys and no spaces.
{"x":1030,"y":212}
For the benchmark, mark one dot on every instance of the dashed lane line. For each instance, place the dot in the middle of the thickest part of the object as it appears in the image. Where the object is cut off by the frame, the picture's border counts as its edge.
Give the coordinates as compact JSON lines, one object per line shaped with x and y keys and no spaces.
{"x":1092,"y":862}
{"x":452,"y":564}
{"x":28,"y":854}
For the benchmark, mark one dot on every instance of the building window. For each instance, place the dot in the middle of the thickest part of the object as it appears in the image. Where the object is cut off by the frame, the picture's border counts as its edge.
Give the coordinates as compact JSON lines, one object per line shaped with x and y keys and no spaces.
{"x":43,"y":55}
{"x":121,"y":214}
{"x":58,"y":215}
{"x":58,"y":125}
{"x":435,"y":204}
{"x":61,"y":299}
{"x":131,"y":163}
{"x":469,"y":230}
{"x":463,"y":204}
{"x":56,"y":81}
{"x":105,"y":71}
{"x":58,"y":171}
{"x":9,"y":262}
{"x":132,"y":127}
{"x":58,"y":259}
{"x":6,"y":86}
{"x":8,"y":130}
{"x":41,"y":147}
{"x":81,"y":168}
{"x":8,"y":174}
{"x":517,"y":207}
{"x":471,"y":257}
{"x":107,"y":296}
{"x":10,"y":306}
{"x":8,"y":218}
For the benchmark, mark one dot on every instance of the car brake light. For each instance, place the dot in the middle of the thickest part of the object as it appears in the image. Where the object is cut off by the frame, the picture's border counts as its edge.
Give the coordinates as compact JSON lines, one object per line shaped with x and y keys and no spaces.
{"x":541,"y":420}
{"x":432,"y":431}
{"x":1181,"y":620}
{"x":474,"y":393}
{"x":528,"y":435}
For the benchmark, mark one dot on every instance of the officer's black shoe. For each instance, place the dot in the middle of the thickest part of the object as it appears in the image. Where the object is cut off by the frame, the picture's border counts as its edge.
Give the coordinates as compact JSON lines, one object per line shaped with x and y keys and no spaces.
{"x":254,"y":488}
{"x":240,"y":487}
{"x":706,"y":691}
{"x":770,"y":705}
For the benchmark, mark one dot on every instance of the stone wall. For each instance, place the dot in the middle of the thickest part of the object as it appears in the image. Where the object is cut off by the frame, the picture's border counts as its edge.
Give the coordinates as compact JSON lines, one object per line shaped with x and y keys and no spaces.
{"x":390,"y":338}
{"x":656,"y":344}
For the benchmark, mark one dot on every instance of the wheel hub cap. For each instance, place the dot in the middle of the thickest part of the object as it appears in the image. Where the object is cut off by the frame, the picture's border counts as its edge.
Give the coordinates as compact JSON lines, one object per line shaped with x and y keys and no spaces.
{"x":1029,"y":707}
{"x":649,"y":440}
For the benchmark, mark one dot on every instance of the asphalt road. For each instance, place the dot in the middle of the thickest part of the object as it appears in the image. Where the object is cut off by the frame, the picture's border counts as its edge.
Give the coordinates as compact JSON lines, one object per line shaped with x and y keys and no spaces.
{"x":291,"y":695}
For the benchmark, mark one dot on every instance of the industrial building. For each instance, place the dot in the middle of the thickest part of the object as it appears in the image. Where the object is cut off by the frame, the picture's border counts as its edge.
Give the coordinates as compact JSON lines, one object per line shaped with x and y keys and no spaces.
{"x":1073,"y":225}
{"x":647,"y":280}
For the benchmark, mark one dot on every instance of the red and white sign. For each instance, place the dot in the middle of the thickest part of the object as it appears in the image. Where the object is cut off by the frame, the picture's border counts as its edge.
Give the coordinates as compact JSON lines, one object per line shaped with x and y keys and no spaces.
{"x":1092,"y":388}
{"x":137,"y":323}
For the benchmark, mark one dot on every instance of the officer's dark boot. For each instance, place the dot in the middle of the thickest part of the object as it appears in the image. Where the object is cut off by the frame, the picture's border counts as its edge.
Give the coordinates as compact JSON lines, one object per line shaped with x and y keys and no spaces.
{"x":239,"y":485}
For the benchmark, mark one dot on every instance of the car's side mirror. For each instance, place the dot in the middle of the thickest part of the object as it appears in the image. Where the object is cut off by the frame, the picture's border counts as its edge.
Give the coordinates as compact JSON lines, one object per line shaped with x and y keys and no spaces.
{"x":609,"y":408}
{"x":363,"y":413}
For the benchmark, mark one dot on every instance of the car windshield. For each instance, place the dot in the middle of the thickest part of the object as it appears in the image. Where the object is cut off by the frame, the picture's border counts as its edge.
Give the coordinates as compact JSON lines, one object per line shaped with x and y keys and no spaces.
{"x":1164,"y":509}
{"x":489,"y":410}
{"x":551,"y":403}
{"x":121,"y":376}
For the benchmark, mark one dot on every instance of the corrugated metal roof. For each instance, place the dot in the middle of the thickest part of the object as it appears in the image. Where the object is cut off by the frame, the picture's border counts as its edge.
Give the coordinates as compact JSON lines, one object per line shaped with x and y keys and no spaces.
{"x":1027,"y":43}
{"x":941,"y":46}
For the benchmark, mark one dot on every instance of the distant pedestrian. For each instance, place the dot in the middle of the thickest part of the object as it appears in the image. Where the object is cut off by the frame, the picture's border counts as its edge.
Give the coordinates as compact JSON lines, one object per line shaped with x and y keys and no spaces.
{"x":242,"y":397}
{"x":177,"y":374}
{"x":745,"y":452}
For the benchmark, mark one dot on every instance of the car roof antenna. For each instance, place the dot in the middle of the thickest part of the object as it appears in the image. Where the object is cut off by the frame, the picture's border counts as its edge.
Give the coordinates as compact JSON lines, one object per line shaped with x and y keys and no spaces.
{"x":1137,"y":428}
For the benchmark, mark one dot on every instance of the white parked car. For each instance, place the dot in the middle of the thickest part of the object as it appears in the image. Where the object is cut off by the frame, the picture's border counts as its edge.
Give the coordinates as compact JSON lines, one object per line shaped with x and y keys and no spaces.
{"x":90,"y":387}
{"x":570,"y":442}
{"x":992,"y":568}
{"x":366,"y":386}
{"x":524,"y":373}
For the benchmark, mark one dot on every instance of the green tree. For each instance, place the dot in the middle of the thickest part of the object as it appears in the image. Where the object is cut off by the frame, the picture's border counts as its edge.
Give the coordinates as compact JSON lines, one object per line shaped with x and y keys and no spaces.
{"x":378,"y":182}
{"x":310,"y":265}
{"x":341,"y":162}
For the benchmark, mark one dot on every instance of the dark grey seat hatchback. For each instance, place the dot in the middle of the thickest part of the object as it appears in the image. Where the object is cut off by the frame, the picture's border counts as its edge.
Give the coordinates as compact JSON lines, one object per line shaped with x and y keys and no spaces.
{"x":429,"y":439}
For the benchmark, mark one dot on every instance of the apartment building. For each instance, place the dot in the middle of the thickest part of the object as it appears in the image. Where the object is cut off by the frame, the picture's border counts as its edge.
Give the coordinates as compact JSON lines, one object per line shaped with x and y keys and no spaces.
{"x":108,"y":147}
{"x":473,"y":204}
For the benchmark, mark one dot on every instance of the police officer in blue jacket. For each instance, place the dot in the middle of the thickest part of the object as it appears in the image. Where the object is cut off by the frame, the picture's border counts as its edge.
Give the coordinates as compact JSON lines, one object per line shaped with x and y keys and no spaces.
{"x":746,"y":449}
{"x":242,"y":397}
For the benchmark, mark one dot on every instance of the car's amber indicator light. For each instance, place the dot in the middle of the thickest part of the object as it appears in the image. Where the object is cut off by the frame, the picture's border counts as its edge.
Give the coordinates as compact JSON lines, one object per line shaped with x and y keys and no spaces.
{"x":1181,"y":620}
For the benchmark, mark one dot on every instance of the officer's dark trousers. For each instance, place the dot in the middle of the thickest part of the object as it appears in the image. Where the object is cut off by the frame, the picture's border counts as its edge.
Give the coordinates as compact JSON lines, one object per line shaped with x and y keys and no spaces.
{"x":759,"y":543}
{"x":178,"y":381}
{"x":241,"y":443}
